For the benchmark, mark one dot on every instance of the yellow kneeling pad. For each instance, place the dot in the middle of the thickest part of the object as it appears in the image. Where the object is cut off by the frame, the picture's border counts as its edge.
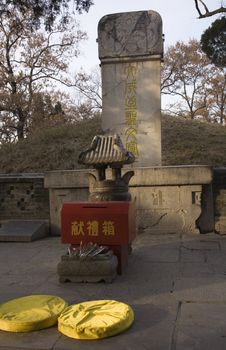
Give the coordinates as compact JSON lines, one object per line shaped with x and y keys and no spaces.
{"x":95,"y":319}
{"x":31,"y":313}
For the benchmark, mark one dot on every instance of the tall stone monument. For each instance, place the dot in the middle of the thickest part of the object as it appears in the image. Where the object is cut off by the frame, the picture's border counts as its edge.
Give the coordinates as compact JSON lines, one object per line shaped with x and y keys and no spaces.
{"x":130,"y":50}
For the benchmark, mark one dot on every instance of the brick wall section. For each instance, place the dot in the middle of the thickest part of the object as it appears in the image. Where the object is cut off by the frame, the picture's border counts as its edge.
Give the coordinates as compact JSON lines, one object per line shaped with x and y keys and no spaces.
{"x":23,"y":196}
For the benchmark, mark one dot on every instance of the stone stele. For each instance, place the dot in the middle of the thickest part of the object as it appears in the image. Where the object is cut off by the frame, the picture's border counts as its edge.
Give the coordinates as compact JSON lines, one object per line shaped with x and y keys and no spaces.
{"x":131,"y":50}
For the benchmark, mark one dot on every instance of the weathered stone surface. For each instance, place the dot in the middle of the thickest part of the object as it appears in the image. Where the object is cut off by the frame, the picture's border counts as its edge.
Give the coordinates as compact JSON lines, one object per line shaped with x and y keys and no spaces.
{"x":130,"y":50}
{"x":200,"y":287}
{"x":147,"y":176}
{"x":23,"y":230}
{"x":174,"y":307}
{"x":72,"y":269}
{"x":168,"y":199}
{"x":130,"y":34}
{"x":205,"y":222}
{"x":219,"y":190}
{"x":59,"y":196}
{"x":42,"y":340}
{"x":220,"y":210}
{"x":220,"y":225}
{"x":172,"y":175}
{"x":23,"y":197}
{"x":201,"y":326}
{"x":168,"y":209}
{"x":131,"y":108}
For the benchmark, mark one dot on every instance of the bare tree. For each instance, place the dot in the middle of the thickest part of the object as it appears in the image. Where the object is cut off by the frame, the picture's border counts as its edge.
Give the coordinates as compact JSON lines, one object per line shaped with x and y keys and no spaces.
{"x":88,"y":87}
{"x":216,"y":92}
{"x":183,"y":76}
{"x":197,"y":87}
{"x":30,"y":63}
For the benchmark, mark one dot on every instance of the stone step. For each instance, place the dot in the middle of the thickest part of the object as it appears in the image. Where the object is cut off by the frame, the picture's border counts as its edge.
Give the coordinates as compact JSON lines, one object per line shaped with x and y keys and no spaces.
{"x":23,"y":230}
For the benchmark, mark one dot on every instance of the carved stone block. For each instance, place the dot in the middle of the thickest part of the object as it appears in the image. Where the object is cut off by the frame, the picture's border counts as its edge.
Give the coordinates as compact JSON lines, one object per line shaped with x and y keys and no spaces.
{"x":100,"y":268}
{"x":130,"y":34}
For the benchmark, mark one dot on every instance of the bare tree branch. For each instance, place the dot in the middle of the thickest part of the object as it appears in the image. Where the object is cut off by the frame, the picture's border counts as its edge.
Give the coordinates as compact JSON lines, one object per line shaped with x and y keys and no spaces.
{"x":206,"y":13}
{"x":199,"y":85}
{"x":29,"y":64}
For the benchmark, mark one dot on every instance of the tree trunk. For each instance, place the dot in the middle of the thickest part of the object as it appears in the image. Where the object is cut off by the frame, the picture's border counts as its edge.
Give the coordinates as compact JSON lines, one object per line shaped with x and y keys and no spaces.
{"x":21,"y":125}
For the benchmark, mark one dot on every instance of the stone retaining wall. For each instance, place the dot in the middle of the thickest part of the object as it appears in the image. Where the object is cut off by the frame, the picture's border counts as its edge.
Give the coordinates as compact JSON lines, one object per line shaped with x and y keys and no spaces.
{"x":169,"y":199}
{"x":219,"y":190}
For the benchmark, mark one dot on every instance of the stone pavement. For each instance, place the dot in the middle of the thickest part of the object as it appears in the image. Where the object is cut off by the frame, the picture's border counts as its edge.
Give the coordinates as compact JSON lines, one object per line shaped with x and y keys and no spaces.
{"x":175,"y":285}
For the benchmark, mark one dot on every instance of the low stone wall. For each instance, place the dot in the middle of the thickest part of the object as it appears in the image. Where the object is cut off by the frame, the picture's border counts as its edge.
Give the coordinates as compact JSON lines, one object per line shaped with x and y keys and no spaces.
{"x":64,"y":186}
{"x":219,"y":191}
{"x":23,"y":197}
{"x":183,"y":199}
{"x":168,"y":199}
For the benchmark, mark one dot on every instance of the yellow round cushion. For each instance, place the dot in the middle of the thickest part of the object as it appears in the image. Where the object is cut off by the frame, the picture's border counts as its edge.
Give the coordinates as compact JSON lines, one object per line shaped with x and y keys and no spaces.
{"x":30,"y":313}
{"x":95,"y":319}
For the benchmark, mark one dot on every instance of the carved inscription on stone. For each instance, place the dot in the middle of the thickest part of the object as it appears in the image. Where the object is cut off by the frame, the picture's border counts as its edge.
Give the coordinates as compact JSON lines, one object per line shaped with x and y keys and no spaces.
{"x":131,"y":121}
{"x":130,"y":34}
{"x":156,"y":197}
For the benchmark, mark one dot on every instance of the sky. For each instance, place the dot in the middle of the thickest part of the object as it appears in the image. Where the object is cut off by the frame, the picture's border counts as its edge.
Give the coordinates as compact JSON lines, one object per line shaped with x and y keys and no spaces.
{"x":180,"y":22}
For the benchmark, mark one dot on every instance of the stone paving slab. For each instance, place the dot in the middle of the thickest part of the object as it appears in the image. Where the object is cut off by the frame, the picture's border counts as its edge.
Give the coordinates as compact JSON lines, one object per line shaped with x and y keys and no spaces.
{"x":201,"y":326}
{"x":38,"y":340}
{"x":207,"y":289}
{"x":23,"y":230}
{"x":202,"y":245}
{"x":197,"y":269}
{"x":176,"y":286}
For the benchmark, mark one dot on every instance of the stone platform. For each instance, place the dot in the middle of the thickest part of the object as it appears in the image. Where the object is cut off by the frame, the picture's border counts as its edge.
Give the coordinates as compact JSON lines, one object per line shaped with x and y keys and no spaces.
{"x":175,"y":199}
{"x":175,"y":284}
{"x":23,"y":230}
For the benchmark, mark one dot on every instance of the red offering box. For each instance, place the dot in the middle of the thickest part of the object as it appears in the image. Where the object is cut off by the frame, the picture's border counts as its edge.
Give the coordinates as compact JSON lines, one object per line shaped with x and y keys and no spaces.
{"x":105,"y":223}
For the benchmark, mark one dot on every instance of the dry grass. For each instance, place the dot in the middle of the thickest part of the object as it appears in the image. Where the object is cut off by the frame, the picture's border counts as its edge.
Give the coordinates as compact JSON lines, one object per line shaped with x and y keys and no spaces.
{"x":50,"y":149}
{"x":183,"y":142}
{"x":192,"y":142}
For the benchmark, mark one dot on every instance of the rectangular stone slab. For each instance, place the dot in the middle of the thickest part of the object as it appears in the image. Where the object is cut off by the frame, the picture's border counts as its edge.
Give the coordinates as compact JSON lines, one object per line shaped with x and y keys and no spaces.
{"x":201,"y":326}
{"x":23,"y":230}
{"x":130,"y":50}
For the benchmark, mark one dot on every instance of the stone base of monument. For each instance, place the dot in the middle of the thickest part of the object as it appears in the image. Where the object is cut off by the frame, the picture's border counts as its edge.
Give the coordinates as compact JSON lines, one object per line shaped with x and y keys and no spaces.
{"x":100,"y":268}
{"x":175,"y":199}
{"x":220,"y":225}
{"x":23,"y":230}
